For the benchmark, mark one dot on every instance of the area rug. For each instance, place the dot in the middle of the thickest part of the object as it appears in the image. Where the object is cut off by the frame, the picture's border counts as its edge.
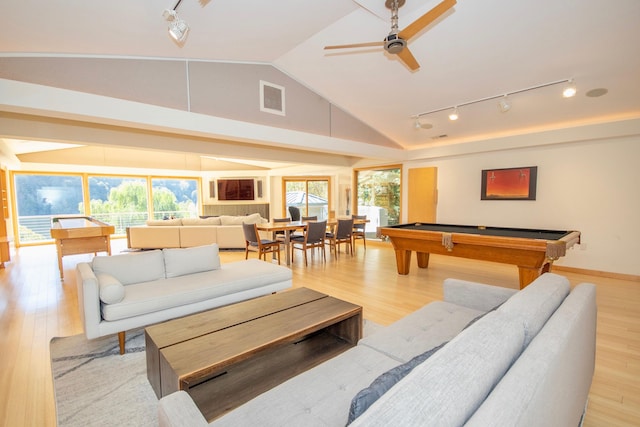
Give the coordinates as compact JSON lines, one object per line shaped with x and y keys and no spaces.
{"x":95,"y":386}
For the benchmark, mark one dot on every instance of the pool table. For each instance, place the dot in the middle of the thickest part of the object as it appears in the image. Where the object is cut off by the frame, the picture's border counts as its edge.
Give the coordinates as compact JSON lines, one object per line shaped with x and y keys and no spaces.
{"x":80,"y":235}
{"x":533,"y":251}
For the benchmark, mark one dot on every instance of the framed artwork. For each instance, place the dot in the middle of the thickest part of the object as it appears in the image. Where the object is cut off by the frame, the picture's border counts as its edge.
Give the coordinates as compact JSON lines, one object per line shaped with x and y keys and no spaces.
{"x":509,"y":184}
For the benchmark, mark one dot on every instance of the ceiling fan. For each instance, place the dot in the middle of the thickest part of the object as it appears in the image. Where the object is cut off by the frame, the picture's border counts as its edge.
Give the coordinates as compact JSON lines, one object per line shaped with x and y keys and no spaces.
{"x":396,"y":41}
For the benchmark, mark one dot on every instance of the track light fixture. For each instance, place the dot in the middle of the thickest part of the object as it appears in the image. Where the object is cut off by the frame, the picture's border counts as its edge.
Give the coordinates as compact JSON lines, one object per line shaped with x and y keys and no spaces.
{"x":178,"y":28}
{"x":569,"y":89}
{"x":504,"y":104}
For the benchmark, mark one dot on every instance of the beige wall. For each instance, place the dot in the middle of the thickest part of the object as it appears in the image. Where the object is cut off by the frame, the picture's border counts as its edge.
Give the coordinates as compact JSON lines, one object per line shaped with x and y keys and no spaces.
{"x":590,"y":186}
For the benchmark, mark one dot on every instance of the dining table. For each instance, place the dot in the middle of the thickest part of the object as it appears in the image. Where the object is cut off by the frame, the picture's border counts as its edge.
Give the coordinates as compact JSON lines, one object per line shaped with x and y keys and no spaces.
{"x":292,"y":226}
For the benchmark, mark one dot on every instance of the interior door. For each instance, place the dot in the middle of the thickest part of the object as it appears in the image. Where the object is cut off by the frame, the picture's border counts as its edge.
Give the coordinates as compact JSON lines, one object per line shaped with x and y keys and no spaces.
{"x":422,"y":195}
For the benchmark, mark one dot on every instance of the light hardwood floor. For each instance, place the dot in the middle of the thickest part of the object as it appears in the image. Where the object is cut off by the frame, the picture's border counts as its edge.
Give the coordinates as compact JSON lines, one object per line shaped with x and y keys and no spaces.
{"x":35,"y":305}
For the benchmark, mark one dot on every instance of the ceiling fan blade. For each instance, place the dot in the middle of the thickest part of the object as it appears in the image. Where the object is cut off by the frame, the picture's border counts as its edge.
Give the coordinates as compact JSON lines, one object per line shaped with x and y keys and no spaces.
{"x":407,"y":57}
{"x":416,"y":26}
{"x":349,"y":46}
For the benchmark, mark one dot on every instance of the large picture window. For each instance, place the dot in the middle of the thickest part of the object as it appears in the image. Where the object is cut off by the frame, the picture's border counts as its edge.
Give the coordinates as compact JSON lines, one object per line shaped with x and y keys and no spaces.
{"x":121,"y":201}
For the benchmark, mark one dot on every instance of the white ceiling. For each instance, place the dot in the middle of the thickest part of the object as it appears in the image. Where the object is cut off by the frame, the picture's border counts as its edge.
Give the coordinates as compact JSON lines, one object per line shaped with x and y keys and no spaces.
{"x":476,"y":50}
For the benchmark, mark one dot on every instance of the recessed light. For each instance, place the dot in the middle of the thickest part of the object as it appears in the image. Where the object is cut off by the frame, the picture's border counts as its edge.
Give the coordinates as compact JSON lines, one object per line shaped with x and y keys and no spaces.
{"x":594,"y":93}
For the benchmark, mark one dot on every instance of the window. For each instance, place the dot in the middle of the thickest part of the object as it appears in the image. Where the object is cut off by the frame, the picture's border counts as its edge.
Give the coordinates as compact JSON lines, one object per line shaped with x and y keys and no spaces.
{"x":310,"y":195}
{"x":174,"y":198}
{"x":38,"y":197}
{"x":378,"y":196}
{"x":121,"y":201}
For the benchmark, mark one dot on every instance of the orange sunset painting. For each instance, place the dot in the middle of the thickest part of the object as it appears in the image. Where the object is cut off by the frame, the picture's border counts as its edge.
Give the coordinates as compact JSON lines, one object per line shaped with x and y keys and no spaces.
{"x":513,"y":183}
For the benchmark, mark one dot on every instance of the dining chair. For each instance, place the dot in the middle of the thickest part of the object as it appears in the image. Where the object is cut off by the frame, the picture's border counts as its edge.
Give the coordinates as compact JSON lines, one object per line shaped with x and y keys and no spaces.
{"x":342,"y":234}
{"x":280,"y":235}
{"x":254,"y":243}
{"x":310,"y":218}
{"x":359,"y":231}
{"x":312,"y":238}
{"x":294,"y":212}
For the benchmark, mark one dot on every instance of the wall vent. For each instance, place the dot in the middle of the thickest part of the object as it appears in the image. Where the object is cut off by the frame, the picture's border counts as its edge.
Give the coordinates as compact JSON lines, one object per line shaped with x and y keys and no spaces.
{"x":272,"y":98}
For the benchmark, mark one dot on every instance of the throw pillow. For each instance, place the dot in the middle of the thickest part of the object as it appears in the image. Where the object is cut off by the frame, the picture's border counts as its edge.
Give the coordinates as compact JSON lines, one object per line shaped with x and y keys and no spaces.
{"x":111,"y":290}
{"x":366,"y":397}
{"x":182,"y":261}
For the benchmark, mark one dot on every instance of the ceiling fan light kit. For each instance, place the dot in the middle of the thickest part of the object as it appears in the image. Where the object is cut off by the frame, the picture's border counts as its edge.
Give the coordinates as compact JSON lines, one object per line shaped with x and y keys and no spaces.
{"x":504,"y":104}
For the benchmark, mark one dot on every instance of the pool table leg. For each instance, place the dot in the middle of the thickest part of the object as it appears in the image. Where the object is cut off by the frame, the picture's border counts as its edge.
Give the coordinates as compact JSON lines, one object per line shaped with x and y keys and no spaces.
{"x":423,"y":259}
{"x":403,"y":260}
{"x":528,"y":274}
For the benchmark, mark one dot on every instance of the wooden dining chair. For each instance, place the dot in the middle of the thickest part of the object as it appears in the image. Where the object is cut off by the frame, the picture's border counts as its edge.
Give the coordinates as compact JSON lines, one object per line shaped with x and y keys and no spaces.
{"x":313,"y":237}
{"x":280,"y":235}
{"x":342,"y":234}
{"x":359,"y":231}
{"x":294,"y":212}
{"x":254,"y":243}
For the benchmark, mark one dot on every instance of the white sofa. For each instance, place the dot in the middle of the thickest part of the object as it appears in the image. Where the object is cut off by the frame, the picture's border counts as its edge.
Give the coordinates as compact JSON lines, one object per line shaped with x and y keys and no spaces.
{"x":225,"y":230}
{"x":461,"y":361}
{"x":122,"y":292}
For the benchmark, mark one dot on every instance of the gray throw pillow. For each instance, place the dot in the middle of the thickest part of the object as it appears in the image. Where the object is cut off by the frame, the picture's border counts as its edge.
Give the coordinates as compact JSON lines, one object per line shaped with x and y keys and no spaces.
{"x":366,"y":397}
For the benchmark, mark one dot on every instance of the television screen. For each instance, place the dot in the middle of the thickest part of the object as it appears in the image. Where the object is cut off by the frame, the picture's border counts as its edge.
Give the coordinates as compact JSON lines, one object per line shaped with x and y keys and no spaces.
{"x":235,"y":189}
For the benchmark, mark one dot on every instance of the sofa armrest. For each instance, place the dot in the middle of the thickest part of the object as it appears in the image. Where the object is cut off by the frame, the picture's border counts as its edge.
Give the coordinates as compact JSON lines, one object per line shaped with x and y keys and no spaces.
{"x":475,"y":295}
{"x":88,"y":299}
{"x":179,"y":410}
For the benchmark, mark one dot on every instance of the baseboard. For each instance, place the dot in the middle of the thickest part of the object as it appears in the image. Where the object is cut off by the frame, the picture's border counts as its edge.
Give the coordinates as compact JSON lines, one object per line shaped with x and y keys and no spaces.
{"x":607,"y":274}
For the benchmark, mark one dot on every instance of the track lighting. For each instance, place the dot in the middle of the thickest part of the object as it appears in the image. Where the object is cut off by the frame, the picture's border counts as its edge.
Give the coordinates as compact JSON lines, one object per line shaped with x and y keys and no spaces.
{"x":178,"y":28}
{"x":504,"y":104}
{"x":570,"y":89}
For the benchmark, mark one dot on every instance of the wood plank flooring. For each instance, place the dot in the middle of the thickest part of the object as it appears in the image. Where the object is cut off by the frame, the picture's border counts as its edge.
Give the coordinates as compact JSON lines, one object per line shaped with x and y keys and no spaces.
{"x":35,"y":305}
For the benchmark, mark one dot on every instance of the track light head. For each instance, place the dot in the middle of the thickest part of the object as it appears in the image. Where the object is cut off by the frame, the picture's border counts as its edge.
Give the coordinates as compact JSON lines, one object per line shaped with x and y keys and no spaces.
{"x":569,"y":89}
{"x":504,"y":104}
{"x":454,"y":114}
{"x":178,"y":30}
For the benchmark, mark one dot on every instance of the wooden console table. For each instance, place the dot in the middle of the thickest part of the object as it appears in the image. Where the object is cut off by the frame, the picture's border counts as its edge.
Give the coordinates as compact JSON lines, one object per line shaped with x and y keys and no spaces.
{"x":226,"y":356}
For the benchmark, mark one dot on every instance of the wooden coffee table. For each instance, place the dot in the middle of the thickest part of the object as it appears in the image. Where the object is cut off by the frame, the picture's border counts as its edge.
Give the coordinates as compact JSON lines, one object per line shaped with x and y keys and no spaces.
{"x":226,"y":356}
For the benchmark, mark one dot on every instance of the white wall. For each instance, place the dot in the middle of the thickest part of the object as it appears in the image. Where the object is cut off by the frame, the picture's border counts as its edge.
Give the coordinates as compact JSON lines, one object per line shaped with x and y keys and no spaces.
{"x":592,"y":187}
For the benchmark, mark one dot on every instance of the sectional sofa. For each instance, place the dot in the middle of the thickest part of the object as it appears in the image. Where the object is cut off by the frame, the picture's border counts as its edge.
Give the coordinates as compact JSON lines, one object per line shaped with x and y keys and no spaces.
{"x":224,"y":230}
{"x":122,"y":292}
{"x":485,"y":356}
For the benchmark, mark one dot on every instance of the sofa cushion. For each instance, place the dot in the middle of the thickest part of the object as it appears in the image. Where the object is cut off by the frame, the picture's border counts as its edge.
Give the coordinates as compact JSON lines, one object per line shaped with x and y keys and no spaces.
{"x":537,"y":302}
{"x":421,"y":330}
{"x":254,"y":218}
{"x":453,"y":383}
{"x":158,"y":295}
{"x":549,"y":383}
{"x":317,"y":397}
{"x":132,"y":267}
{"x":111,"y":290}
{"x":214,"y":220}
{"x":175,"y":221}
{"x":181,"y":261}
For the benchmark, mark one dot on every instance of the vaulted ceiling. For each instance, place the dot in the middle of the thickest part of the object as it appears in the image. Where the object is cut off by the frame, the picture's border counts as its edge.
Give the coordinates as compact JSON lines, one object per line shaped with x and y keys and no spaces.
{"x":476,"y":50}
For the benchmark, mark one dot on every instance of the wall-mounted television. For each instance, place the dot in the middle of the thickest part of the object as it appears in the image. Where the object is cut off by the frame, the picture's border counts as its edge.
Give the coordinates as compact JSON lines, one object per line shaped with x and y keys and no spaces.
{"x":235,"y":189}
